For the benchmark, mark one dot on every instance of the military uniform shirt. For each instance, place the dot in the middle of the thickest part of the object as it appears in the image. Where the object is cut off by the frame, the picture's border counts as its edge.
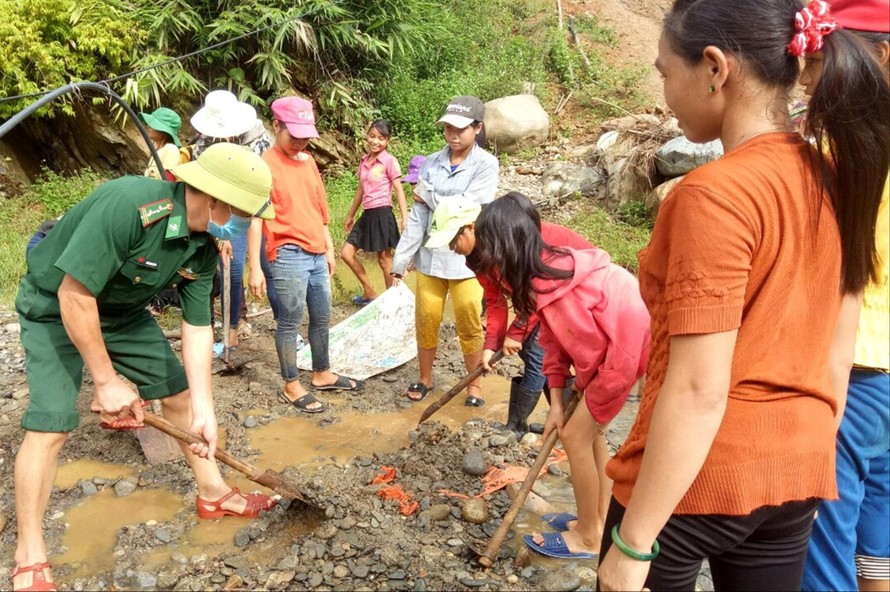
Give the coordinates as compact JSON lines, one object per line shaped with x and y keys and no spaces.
{"x":125,"y":242}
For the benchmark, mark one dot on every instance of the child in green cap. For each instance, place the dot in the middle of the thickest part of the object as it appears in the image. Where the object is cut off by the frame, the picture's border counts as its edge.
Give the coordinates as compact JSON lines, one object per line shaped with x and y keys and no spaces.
{"x":163,"y":129}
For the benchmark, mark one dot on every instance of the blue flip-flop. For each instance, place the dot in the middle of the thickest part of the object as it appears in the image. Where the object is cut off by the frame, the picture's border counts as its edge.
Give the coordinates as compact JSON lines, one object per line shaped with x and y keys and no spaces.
{"x":361,"y":300}
{"x":559,"y":521}
{"x":555,"y":546}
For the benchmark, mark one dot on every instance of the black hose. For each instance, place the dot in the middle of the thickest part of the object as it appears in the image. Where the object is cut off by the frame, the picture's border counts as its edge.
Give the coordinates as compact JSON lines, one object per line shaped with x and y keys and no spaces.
{"x":74,"y":86}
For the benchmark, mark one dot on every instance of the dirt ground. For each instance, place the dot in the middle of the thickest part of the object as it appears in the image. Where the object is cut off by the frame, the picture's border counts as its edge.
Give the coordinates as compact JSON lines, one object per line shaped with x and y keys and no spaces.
{"x":116,"y":522}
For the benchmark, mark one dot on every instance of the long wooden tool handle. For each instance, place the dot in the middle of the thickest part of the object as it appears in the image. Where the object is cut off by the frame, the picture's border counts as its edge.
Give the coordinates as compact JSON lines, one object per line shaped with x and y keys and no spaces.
{"x":494,"y":545}
{"x":227,"y":307}
{"x":443,"y":400}
{"x":156,"y":421}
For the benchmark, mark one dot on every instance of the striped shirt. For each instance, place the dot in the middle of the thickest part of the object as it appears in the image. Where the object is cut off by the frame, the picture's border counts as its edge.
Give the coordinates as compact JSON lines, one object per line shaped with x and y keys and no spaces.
{"x":476,"y":178}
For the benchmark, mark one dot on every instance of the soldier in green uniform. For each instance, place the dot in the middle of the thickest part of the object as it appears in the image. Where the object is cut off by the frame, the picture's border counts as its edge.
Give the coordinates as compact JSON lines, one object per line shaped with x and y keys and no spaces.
{"x":83,"y":303}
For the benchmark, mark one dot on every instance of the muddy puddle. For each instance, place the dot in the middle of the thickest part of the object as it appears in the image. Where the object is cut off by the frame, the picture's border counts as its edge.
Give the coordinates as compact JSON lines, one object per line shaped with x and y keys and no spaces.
{"x":95,"y":523}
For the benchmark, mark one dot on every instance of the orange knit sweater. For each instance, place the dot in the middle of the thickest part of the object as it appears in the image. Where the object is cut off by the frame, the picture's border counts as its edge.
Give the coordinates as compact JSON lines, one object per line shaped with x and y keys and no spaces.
{"x":748,"y":243}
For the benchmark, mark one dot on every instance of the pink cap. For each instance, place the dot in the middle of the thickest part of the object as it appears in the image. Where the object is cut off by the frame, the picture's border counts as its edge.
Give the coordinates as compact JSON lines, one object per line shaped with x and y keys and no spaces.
{"x":297,"y":115}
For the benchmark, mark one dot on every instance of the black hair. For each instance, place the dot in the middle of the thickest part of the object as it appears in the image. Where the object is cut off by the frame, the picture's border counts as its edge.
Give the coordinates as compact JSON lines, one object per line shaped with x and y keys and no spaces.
{"x":383,"y":127}
{"x":509,"y":249}
{"x":847,"y":114}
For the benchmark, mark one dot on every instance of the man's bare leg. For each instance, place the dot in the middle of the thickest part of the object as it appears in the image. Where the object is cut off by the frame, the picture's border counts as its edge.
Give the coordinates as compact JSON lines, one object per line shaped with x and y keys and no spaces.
{"x":35,"y":471}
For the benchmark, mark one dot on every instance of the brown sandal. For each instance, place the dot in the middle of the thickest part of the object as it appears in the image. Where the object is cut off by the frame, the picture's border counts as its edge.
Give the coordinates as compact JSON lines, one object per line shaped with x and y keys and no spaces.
{"x":39,"y":583}
{"x":256,"y":503}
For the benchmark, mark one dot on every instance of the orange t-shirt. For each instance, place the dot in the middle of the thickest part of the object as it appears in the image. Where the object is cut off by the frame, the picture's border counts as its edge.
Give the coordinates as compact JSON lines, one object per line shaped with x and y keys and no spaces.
{"x":300,"y":202}
{"x":748,"y":242}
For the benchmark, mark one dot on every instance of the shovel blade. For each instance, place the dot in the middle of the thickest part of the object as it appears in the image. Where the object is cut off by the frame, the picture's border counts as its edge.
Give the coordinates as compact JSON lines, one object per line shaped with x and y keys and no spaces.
{"x":281,"y":485}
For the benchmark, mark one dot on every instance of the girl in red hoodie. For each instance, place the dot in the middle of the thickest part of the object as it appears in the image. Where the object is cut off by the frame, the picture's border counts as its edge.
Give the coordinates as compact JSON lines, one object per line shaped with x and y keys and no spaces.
{"x":592,"y":319}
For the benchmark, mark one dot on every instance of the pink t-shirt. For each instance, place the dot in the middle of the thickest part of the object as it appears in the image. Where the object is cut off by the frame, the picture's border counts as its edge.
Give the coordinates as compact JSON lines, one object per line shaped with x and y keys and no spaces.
{"x":376,"y":179}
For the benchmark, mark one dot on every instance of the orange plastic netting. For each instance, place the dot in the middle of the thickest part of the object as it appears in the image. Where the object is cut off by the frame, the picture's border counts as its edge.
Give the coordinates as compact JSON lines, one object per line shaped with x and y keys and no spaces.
{"x":496,"y":478}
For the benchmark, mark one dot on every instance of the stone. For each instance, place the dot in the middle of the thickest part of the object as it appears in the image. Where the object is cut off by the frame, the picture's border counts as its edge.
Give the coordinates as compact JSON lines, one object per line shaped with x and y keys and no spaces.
{"x":242,"y":537}
{"x":3,"y":522}
{"x":657,"y":195}
{"x":141,"y":580}
{"x":436,"y":512}
{"x":163,"y":535}
{"x":13,"y":328}
{"x":278,"y":580}
{"x":680,"y":156}
{"x":554,"y":470}
{"x":399,"y":574}
{"x":474,"y":463}
{"x":249,"y":422}
{"x":512,"y":579}
{"x":515,"y":123}
{"x":315,"y":579}
{"x":562,"y":179}
{"x":471,"y":583}
{"x":360,"y":571}
{"x":158,"y":447}
{"x":533,"y":502}
{"x":234,"y":582}
{"x":20,"y":393}
{"x":530,"y":440}
{"x":341,"y":571}
{"x":541,"y":489}
{"x":235,"y":561}
{"x":498,"y":440}
{"x":88,"y":488}
{"x":475,"y":511}
{"x":563,"y":580}
{"x":124,"y":487}
{"x":454,"y":543}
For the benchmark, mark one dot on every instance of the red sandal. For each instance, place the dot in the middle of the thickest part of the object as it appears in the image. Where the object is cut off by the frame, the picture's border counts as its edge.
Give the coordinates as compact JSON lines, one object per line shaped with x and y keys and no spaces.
{"x":256,"y":503}
{"x":39,"y":583}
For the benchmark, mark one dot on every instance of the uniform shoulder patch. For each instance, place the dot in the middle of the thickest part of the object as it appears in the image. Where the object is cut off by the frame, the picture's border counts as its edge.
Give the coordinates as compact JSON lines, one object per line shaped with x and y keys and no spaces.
{"x":154,"y":211}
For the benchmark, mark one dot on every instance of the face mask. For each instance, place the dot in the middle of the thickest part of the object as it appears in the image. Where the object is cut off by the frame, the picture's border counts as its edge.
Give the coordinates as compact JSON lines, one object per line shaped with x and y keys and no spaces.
{"x":235,"y":227}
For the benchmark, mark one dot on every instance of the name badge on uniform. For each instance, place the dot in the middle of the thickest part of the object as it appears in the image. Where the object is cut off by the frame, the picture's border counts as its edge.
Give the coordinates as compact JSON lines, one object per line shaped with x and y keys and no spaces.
{"x":154,"y":211}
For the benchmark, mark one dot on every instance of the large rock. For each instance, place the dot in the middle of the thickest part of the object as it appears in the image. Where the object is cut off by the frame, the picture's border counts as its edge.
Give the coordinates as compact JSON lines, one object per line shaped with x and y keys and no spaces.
{"x":627,"y":177}
{"x":680,"y":156}
{"x":653,"y":202}
{"x":516,"y":122}
{"x":562,"y":179}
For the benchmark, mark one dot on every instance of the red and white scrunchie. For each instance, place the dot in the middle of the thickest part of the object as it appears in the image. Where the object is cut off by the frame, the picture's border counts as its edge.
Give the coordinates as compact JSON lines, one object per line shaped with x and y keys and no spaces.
{"x":811,"y":25}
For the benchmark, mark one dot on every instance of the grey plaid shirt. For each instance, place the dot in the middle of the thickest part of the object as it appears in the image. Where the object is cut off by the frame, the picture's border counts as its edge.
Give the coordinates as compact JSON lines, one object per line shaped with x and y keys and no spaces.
{"x":476,"y":178}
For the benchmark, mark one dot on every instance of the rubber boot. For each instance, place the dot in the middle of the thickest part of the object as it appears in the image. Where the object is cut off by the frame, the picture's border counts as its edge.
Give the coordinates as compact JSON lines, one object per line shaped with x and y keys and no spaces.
{"x":522,"y":403}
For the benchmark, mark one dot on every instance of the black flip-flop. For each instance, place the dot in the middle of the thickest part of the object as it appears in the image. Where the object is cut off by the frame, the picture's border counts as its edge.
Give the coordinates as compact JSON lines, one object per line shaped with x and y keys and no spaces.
{"x":343,"y":383}
{"x":303,"y":403}
{"x":473,"y":401}
{"x":417,"y":387}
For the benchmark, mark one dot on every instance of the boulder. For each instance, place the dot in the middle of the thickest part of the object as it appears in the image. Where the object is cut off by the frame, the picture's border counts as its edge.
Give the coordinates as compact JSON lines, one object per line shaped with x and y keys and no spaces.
{"x":653,"y":202}
{"x":680,"y":156}
{"x":562,"y":179}
{"x":516,"y":122}
{"x":628,"y":176}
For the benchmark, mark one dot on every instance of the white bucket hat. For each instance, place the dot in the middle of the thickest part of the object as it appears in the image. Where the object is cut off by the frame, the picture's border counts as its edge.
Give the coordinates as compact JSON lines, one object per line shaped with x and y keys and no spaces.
{"x":223,"y":116}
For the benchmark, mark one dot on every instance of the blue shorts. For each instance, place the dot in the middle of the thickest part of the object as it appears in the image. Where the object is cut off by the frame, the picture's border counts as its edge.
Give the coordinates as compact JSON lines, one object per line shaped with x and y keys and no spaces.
{"x":850,"y":536}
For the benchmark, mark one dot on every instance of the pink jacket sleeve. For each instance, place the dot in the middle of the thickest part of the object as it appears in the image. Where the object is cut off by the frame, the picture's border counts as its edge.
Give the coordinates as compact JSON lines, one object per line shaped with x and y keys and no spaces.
{"x":608,"y":353}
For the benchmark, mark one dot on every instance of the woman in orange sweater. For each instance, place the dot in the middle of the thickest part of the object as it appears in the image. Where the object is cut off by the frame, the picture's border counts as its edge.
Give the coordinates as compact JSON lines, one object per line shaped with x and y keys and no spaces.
{"x":752,"y":277}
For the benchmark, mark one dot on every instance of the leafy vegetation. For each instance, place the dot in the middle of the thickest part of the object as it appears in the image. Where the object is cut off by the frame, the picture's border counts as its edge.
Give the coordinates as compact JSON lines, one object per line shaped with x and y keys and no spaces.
{"x":51,"y":195}
{"x":621,"y":240}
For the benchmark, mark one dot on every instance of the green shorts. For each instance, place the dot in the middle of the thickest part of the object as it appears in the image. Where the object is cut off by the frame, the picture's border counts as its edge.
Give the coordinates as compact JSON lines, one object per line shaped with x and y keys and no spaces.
{"x":137,"y":347}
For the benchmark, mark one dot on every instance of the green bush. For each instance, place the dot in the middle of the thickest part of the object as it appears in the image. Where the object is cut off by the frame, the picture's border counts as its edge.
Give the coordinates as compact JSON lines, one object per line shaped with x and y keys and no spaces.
{"x":622,"y":241}
{"x":51,"y":195}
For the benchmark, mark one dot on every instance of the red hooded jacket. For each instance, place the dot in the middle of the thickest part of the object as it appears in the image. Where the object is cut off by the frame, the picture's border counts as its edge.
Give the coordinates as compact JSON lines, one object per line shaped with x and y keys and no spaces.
{"x":597,"y":323}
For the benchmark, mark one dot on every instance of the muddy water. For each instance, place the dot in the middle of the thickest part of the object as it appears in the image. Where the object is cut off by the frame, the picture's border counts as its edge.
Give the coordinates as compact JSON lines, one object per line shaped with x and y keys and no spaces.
{"x":72,"y":472}
{"x":296,"y":441}
{"x":93,"y":525}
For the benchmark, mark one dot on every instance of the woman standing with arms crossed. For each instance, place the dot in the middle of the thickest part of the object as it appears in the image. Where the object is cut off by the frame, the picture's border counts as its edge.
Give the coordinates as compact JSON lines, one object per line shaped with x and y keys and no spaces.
{"x":460,"y":169}
{"x":752,"y":277}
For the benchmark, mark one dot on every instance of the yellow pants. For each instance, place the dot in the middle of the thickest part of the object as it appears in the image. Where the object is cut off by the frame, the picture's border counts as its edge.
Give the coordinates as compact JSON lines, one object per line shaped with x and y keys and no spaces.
{"x":466,"y":298}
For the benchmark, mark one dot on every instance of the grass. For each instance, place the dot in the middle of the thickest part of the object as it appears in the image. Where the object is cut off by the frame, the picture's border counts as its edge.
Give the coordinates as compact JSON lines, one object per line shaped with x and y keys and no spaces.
{"x":48,"y":197}
{"x":621,"y":240}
